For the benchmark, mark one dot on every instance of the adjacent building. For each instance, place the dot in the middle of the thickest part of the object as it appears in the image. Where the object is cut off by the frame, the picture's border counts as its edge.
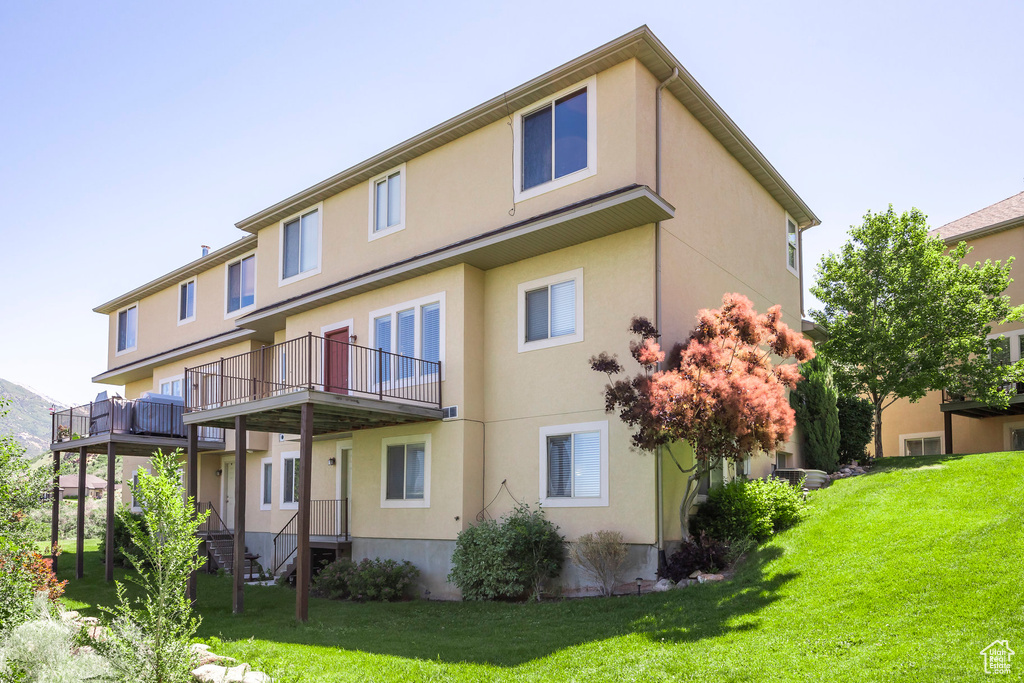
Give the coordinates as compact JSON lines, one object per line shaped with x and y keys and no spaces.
{"x":400,"y":350}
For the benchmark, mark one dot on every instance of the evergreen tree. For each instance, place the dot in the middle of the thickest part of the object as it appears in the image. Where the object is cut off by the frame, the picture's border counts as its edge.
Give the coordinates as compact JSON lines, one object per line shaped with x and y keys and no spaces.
{"x":814,"y":401}
{"x":856,"y":416}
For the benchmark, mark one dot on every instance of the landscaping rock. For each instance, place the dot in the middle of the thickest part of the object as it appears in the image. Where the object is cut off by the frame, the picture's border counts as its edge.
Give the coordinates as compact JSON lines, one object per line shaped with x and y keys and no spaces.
{"x":694,"y":574}
{"x":704,"y":578}
{"x":212,"y":673}
{"x":662,"y":586}
{"x":256,"y":677}
{"x":69,"y":616}
{"x":685,"y":583}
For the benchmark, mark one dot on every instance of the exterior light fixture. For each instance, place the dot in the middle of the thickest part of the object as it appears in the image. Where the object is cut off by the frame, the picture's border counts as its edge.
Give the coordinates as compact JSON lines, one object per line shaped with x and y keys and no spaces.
{"x":219,"y":472}
{"x":331,"y":461}
{"x":639,"y":580}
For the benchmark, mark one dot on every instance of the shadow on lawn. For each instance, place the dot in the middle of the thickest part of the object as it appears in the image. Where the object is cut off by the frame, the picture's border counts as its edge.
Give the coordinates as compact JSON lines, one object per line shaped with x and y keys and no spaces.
{"x":499,"y":634}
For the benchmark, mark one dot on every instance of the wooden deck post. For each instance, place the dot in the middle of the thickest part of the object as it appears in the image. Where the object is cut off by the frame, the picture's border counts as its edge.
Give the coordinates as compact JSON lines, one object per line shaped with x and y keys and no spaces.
{"x":192,"y":492}
{"x":55,"y":511}
{"x":302,"y":556}
{"x":947,"y":424}
{"x":238,"y":564}
{"x":109,"y":558}
{"x":83,"y":461}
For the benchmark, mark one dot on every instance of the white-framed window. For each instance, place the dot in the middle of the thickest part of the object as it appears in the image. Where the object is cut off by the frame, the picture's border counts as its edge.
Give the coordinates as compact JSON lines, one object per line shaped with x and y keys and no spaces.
{"x":135,"y":487}
{"x":792,"y":246}
{"x":387,"y":203}
{"x":405,"y":472}
{"x":414,"y":329}
{"x":574,"y":465}
{"x":555,"y":141}
{"x":551,"y":311}
{"x":290,"y":480}
{"x":266,"y":483}
{"x":240,"y":284}
{"x":925,"y":443}
{"x":172,"y":386}
{"x":300,"y":245}
{"x":187,"y":301}
{"x":127,"y":329}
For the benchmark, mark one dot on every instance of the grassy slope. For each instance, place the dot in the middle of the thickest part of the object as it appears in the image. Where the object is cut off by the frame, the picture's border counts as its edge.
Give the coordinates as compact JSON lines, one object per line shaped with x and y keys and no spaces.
{"x":902,"y":575}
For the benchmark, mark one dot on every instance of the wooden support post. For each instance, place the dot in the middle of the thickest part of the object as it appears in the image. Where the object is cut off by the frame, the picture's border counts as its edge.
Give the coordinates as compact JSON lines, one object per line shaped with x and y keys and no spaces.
{"x":192,"y":491}
{"x":302,"y":557}
{"x":238,"y":565}
{"x":83,"y":461}
{"x":109,"y":559}
{"x":55,"y":511}
{"x":947,"y":423}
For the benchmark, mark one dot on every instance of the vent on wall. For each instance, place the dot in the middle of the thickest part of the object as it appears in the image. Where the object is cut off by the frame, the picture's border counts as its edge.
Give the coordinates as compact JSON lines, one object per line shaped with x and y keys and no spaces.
{"x":450,"y":412}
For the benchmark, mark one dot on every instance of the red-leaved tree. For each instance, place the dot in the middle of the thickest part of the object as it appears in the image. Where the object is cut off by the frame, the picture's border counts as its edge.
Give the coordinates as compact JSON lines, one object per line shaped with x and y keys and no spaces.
{"x":723,"y":391}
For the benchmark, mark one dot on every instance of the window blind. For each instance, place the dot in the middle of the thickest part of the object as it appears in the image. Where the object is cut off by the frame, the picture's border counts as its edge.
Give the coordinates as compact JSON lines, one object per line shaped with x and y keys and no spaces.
{"x":563,"y":308}
{"x":396,"y":472}
{"x":310,"y":241}
{"x":586,"y":474}
{"x":430,"y":328}
{"x":537,"y":314}
{"x":406,"y":342}
{"x":382,"y":338}
{"x":292,"y":245}
{"x":559,"y":466}
{"x":267,"y":469}
{"x":414,"y":471}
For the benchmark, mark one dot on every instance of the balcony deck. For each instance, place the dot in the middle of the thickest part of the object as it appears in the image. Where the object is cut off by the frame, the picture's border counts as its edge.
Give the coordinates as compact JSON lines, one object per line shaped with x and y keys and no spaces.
{"x":961,"y":405}
{"x":137,"y":427}
{"x":352,"y":387}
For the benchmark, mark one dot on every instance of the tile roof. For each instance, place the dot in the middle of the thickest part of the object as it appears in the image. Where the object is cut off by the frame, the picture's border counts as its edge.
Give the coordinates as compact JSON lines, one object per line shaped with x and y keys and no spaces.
{"x":1000,"y":212}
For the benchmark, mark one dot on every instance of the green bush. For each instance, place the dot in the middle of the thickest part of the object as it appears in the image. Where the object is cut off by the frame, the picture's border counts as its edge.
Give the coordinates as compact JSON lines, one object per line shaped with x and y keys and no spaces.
{"x":856,"y":423}
{"x":382,"y":580}
{"x":701,"y":553}
{"x":814,"y":401}
{"x":507,"y":559}
{"x":123,"y":542}
{"x":332,"y":581}
{"x":749,"y":509}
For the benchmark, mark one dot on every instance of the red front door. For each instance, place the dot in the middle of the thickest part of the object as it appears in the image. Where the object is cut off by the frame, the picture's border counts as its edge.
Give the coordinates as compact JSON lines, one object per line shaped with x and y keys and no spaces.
{"x":336,"y":355}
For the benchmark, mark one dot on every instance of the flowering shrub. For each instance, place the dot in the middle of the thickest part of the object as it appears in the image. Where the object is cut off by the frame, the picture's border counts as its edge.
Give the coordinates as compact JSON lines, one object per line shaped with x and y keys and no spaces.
{"x":332,"y":581}
{"x":379,"y":579}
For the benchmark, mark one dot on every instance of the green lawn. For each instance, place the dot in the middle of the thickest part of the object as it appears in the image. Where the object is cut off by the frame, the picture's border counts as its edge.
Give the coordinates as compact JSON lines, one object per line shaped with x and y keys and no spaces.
{"x":902,"y":575}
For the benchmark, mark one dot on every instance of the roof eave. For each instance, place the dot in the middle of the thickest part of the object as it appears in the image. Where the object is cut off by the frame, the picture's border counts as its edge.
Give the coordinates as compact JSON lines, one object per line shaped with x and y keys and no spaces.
{"x":1008,"y":224}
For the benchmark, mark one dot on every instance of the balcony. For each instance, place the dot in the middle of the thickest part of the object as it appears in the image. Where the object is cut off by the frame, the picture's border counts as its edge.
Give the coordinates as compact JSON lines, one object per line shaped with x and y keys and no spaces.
{"x":351,"y":387}
{"x":138,"y":427}
{"x":955,"y":404}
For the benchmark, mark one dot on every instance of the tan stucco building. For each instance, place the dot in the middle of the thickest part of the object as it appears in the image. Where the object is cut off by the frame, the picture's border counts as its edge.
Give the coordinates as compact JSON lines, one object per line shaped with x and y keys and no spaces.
{"x":493,"y":260}
{"x":941,"y":423}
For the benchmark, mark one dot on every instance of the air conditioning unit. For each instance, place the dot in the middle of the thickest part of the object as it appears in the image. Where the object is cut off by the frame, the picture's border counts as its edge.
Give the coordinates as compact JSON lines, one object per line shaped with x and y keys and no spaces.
{"x":813,"y":479}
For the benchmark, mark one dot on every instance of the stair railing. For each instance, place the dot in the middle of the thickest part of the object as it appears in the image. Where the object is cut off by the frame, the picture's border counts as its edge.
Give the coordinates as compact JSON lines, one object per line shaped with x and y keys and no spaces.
{"x":286,"y":542}
{"x":213,"y":525}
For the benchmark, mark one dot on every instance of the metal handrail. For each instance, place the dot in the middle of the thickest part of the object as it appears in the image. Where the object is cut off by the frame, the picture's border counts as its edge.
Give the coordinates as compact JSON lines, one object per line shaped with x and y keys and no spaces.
{"x":312,"y":363}
{"x":328,"y":517}
{"x":124,"y":416}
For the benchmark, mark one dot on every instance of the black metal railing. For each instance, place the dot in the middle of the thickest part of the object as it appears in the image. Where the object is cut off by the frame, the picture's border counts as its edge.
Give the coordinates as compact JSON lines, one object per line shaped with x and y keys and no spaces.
{"x":123,"y":416}
{"x":1011,"y":389}
{"x":326,"y":518}
{"x":312,"y":363}
{"x":213,"y":522}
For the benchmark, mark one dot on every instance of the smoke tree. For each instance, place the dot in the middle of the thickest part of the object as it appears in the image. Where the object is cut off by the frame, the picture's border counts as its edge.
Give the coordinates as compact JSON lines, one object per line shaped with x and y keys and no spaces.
{"x":904,"y":316}
{"x":723,"y":390}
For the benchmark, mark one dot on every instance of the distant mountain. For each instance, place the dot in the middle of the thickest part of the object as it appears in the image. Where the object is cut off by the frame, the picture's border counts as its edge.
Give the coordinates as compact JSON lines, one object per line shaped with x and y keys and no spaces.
{"x":28,"y":419}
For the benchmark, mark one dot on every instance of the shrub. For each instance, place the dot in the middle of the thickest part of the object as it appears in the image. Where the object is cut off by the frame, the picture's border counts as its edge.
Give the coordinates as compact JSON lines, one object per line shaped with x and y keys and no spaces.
{"x":753,"y":509}
{"x":814,"y":402}
{"x":507,"y":559}
{"x":332,"y":581}
{"x":601,"y":555}
{"x":379,"y":579}
{"x":124,"y":545}
{"x":702,"y":553}
{"x":856,"y":421}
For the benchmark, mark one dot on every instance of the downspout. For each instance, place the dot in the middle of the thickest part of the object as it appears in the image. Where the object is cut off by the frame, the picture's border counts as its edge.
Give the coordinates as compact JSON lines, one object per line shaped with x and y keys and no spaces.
{"x":659,"y":476}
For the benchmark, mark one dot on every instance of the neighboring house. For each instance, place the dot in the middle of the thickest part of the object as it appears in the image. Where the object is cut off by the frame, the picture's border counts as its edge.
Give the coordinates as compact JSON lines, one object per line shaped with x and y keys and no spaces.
{"x":417,"y":328}
{"x":94,"y":486}
{"x":940,"y":423}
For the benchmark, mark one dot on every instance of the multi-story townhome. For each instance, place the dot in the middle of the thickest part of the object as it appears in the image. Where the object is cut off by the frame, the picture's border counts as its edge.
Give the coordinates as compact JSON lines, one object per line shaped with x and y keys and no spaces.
{"x":417,"y":328}
{"x":943,"y":423}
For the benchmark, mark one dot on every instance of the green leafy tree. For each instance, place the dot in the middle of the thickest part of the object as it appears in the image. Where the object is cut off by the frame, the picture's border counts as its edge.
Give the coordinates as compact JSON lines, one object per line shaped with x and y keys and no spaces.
{"x":905,"y":316}
{"x":814,"y":401}
{"x":856,"y":416}
{"x":150,"y":637}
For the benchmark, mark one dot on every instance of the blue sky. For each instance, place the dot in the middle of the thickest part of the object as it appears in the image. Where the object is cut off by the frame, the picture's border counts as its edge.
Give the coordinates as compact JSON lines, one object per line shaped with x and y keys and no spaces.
{"x":132,"y":133}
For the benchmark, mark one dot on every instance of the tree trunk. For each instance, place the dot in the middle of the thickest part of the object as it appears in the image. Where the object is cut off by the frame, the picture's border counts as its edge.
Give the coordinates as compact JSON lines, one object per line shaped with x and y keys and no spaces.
{"x":692,"y":486}
{"x":878,"y":429}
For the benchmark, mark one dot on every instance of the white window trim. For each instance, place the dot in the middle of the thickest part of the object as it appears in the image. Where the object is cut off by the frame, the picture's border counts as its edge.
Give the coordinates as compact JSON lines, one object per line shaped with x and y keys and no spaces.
{"x":228,"y":315}
{"x":1010,"y":336}
{"x":287,"y":455}
{"x":386,"y":502}
{"x":793,"y":269}
{"x":555,"y":430}
{"x":131,"y":490}
{"x":172,"y":378}
{"x":1008,"y":428}
{"x":517,"y":143}
{"x":338,"y":448}
{"x":281,"y":279}
{"x":923,"y":435}
{"x":263,"y":468}
{"x":525,"y":287}
{"x":417,"y":332}
{"x":377,"y":234}
{"x":195,"y":300}
{"x":117,"y":329}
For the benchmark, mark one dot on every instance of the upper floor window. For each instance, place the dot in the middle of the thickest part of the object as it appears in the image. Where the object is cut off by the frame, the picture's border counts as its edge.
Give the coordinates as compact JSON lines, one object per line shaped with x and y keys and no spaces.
{"x":387,"y":203}
{"x":187,"y":301}
{"x":241,"y":283}
{"x":171,"y":387}
{"x":414,"y":330}
{"x":300,"y":245}
{"x":555,"y":142}
{"x":574,"y":465}
{"x":127,"y":328}
{"x":792,"y":246}
{"x":551,"y":311}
